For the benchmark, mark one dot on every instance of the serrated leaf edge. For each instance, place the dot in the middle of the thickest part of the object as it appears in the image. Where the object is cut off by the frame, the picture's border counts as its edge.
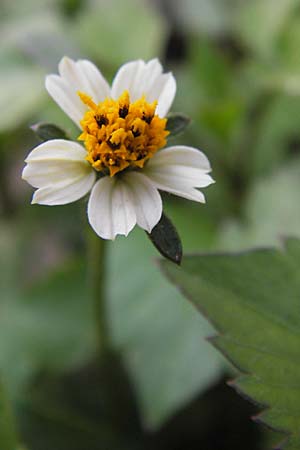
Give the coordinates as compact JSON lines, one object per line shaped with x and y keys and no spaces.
{"x":232,"y":383}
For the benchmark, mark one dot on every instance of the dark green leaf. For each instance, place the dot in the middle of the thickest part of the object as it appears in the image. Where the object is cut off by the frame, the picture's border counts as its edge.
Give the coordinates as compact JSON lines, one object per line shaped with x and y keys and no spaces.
{"x":166,"y":239}
{"x":177,"y":123}
{"x":48,"y":131}
{"x":253,"y":299}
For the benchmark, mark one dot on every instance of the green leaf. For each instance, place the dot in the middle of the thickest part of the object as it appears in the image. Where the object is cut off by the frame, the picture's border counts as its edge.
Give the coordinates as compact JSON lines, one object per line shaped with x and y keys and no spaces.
{"x":166,"y":239}
{"x":160,"y":338}
{"x":177,"y":123}
{"x":48,"y":131}
{"x":252,"y":300}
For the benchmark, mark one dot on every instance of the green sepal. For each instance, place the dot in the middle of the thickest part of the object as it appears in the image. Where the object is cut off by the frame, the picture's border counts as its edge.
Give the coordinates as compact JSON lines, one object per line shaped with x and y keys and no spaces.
{"x":177,"y":123}
{"x":165,"y":238}
{"x":47,"y":131}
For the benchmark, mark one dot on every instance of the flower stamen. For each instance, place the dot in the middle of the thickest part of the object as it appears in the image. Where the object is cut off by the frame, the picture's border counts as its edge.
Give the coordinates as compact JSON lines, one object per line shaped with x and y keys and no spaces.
{"x":118,"y":134}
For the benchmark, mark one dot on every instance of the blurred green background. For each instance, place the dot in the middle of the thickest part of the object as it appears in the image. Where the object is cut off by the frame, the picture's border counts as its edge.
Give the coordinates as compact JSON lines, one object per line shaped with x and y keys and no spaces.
{"x":237,"y":65}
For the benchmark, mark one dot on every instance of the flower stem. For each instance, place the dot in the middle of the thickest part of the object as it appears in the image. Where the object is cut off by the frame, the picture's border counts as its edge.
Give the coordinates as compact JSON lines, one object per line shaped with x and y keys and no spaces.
{"x":97,"y":252}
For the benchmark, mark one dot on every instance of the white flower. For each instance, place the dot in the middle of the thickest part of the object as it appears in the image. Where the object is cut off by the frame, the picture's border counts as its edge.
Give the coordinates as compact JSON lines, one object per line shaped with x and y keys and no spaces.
{"x":123,"y":128}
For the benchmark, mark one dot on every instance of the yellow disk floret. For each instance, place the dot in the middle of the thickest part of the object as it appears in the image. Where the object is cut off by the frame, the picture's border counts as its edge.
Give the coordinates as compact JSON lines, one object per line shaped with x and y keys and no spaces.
{"x":118,"y":134}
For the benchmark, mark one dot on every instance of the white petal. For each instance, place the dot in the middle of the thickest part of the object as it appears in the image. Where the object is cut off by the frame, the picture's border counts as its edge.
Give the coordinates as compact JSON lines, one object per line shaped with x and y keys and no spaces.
{"x":76,"y":76}
{"x":126,"y":79}
{"x":147,"y":200}
{"x":171,"y":185}
{"x":67,"y":192}
{"x":179,"y":170}
{"x":66,"y":98}
{"x":141,"y":78}
{"x":59,"y":169}
{"x":183,"y":176}
{"x":181,"y":155}
{"x":46,"y":173}
{"x":57,"y":149}
{"x":54,"y":162}
{"x":86,"y":77}
{"x":164,"y":91}
{"x":111,"y":209}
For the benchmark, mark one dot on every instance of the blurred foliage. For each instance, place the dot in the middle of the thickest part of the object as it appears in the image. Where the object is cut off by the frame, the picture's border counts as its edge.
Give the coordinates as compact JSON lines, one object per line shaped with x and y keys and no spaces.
{"x":110,"y":33}
{"x":8,"y":436}
{"x":238,"y":79}
{"x":159,"y":336}
{"x":270,"y":212}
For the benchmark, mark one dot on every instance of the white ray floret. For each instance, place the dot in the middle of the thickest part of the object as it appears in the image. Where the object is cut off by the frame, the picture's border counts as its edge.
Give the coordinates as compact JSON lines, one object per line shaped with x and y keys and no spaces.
{"x":60,"y":172}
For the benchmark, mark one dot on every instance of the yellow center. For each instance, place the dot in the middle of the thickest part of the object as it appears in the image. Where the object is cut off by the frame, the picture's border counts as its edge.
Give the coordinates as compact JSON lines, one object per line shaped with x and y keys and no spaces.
{"x":118,"y":134}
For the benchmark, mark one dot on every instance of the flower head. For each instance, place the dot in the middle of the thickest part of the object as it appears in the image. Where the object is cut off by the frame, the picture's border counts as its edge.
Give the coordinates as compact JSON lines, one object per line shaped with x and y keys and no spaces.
{"x":121,"y":159}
